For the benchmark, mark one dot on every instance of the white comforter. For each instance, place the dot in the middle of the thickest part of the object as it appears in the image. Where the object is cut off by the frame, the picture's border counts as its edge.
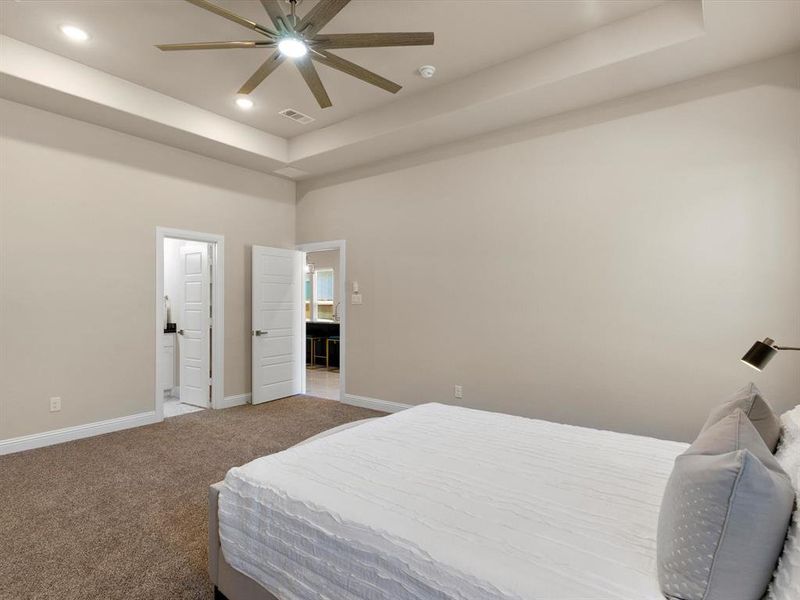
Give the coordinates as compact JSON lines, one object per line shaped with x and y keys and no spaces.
{"x":440,"y":502}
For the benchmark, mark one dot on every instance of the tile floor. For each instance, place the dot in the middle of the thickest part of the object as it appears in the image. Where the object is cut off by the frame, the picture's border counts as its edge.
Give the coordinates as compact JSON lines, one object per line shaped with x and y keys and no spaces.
{"x":174,"y":407}
{"x":322,"y":383}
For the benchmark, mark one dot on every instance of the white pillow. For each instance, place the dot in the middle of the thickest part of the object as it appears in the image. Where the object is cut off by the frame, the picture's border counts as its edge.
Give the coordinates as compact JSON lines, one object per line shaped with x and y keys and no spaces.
{"x":786,"y":583}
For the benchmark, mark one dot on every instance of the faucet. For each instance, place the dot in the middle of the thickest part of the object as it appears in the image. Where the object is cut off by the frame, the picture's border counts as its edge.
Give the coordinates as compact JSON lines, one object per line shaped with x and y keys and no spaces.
{"x":336,"y":312}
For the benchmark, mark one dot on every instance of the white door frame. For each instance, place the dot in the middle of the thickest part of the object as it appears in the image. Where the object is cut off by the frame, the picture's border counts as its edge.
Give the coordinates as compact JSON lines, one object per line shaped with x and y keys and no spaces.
{"x":217,"y":258}
{"x":339,"y":245}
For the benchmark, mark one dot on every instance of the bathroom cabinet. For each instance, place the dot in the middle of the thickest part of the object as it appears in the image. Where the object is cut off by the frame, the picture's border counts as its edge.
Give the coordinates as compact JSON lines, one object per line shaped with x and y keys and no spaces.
{"x":168,"y":362}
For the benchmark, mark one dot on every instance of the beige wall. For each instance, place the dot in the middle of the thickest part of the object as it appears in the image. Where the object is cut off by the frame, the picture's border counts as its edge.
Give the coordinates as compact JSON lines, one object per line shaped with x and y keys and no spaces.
{"x":608,"y":268}
{"x":79,"y":205}
{"x":605,"y":267}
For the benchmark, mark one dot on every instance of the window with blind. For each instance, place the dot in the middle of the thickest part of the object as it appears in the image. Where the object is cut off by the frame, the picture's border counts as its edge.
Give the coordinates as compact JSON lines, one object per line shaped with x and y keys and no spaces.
{"x":324,"y":300}
{"x":319,"y":295}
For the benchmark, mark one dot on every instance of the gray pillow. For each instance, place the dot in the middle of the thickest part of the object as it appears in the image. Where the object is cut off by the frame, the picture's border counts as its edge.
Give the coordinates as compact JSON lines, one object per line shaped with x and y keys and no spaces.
{"x":724,"y":516}
{"x":750,"y":400}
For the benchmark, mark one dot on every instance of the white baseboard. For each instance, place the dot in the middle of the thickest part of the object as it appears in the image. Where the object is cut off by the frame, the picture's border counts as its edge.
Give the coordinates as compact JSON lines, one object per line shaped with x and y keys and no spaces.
{"x":238,"y":400}
{"x":68,"y":434}
{"x":374,"y":403}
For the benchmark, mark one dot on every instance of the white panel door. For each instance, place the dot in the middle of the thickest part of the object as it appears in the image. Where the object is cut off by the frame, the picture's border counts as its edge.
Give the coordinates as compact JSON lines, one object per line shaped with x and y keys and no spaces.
{"x":277,"y":322}
{"x":193,"y":327}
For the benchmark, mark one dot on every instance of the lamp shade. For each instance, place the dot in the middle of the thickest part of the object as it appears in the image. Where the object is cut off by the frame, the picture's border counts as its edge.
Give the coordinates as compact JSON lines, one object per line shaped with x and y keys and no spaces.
{"x":759,"y":354}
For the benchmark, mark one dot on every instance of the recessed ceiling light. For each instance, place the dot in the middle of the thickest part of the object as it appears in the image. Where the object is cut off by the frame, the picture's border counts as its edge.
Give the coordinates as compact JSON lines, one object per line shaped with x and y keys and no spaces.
{"x":292,"y":47}
{"x":76,"y":34}
{"x":244,"y":103}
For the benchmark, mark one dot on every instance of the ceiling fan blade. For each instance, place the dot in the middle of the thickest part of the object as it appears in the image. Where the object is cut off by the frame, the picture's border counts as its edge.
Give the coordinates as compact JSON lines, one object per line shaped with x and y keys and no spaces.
{"x":309,"y":73}
{"x":226,"y":14}
{"x":345,"y":66}
{"x":372,"y":40}
{"x":216,"y":45}
{"x":319,"y":16}
{"x":269,"y":65}
{"x":275,"y":12}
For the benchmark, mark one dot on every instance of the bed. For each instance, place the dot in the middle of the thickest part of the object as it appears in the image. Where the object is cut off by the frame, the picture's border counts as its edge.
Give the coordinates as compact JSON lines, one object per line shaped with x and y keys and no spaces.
{"x":443,"y":502}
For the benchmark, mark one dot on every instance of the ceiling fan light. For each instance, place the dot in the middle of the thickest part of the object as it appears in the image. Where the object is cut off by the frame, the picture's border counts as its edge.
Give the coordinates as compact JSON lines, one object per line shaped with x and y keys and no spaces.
{"x":244,"y":103}
{"x":292,"y":47}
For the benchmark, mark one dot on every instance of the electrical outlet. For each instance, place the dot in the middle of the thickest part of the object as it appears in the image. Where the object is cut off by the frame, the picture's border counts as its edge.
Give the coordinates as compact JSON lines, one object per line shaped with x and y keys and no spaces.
{"x":55,"y":404}
{"x":355,"y":298}
{"x":458,"y":392}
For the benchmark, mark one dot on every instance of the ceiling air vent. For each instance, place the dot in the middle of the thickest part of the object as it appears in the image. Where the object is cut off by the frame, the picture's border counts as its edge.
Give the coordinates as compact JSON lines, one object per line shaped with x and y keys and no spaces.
{"x":295,"y":115}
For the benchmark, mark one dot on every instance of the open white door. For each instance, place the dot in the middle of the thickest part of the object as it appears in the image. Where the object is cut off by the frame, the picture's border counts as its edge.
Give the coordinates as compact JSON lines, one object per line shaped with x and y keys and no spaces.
{"x":193,"y":327}
{"x":277,"y":348}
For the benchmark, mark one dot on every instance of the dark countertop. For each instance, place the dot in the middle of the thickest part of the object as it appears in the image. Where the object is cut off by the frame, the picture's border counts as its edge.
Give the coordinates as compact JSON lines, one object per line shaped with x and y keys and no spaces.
{"x":322,"y":328}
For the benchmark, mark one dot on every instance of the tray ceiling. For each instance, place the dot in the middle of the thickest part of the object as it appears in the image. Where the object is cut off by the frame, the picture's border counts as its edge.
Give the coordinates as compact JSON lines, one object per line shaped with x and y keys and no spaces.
{"x":470,"y":36}
{"x":501,"y":64}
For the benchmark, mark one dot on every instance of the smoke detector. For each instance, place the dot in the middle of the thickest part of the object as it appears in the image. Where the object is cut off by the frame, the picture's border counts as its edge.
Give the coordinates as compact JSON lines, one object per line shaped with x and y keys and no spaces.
{"x":426,"y":71}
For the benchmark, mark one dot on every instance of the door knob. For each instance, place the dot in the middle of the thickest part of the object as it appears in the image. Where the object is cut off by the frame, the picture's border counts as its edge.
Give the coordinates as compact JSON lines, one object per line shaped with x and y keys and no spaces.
{"x":180,"y":331}
{"x":259,"y":332}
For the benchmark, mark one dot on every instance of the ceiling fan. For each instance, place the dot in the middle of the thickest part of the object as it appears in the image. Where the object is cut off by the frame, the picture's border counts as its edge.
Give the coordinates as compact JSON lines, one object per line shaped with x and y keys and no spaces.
{"x":299,"y":39}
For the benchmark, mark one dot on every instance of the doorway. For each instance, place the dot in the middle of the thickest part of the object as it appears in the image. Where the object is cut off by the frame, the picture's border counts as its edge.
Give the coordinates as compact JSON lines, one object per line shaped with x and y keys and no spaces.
{"x":189,"y":321}
{"x":324,"y":309}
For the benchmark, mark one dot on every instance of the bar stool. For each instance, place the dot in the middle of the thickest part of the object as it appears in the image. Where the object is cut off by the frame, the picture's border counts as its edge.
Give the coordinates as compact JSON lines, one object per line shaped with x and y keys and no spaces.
{"x":311,"y":345}
{"x":334,"y":339}
{"x":314,"y":355}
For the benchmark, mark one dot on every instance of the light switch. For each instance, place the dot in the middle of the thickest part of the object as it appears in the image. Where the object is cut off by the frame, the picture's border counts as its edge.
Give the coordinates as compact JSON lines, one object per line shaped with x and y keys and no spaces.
{"x":355,"y":298}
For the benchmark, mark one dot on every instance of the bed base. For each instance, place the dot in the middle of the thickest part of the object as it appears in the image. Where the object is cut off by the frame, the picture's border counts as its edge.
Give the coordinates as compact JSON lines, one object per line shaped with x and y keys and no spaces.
{"x":229,"y":584}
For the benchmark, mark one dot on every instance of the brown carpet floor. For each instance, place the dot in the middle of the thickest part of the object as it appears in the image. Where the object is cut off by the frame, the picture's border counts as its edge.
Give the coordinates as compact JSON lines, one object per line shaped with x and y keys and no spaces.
{"x":124,"y":515}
